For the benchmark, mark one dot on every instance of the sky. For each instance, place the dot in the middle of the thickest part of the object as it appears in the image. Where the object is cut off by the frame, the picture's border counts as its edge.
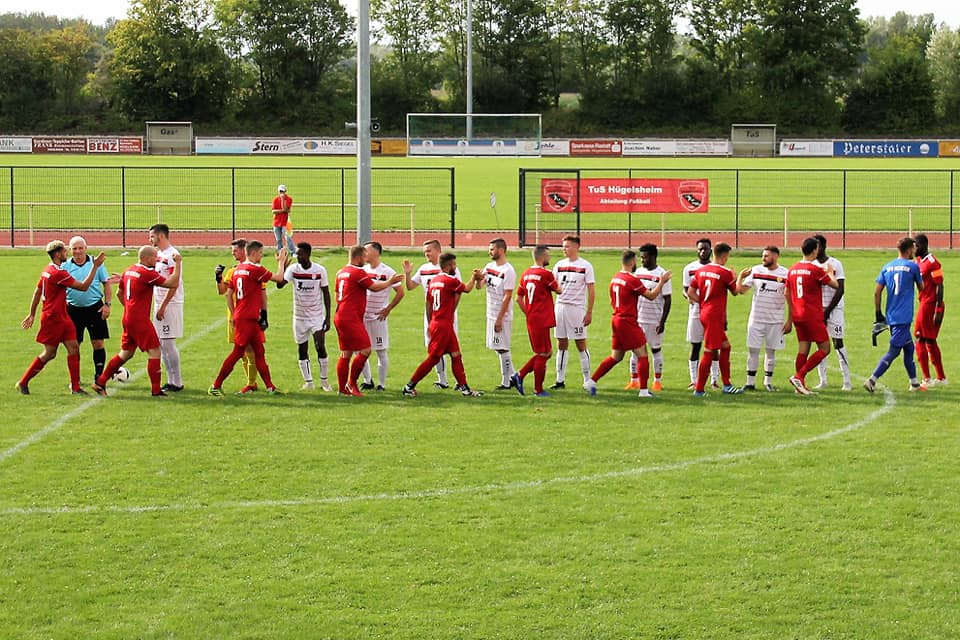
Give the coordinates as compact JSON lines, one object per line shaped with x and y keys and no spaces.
{"x":97,"y":11}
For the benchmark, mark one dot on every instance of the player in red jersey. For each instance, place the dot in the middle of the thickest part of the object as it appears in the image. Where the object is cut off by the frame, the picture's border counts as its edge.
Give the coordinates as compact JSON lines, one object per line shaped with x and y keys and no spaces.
{"x":56,"y":327}
{"x":804,"y":293}
{"x":709,"y":287}
{"x":443,"y":295}
{"x":135,"y":293}
{"x":246,"y":298}
{"x":929,"y":313}
{"x":535,"y":297}
{"x":626,"y":289}
{"x":352,"y":284}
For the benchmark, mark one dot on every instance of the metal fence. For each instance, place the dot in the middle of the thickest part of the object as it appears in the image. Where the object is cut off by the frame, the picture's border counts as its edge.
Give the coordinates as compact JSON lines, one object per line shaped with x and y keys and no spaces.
{"x":212,"y":205}
{"x":854,"y":208}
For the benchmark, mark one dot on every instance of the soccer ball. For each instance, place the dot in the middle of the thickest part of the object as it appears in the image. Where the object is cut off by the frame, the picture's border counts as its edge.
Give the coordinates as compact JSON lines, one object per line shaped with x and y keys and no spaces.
{"x":122,"y":374}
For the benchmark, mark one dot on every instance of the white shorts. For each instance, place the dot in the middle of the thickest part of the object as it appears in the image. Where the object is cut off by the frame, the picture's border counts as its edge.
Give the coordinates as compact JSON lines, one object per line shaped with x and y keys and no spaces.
{"x":654,"y":339}
{"x":303,"y":329}
{"x":767,"y":335}
{"x":569,"y":322}
{"x":499,"y":341}
{"x":379,"y":331}
{"x":694,"y":329}
{"x":836,"y":324}
{"x":172,"y":324}
{"x":426,"y":326}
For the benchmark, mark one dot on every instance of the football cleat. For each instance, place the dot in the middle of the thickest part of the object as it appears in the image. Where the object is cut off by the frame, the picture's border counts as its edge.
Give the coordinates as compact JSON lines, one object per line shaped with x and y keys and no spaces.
{"x":172,"y":387}
{"x":307,"y":386}
{"x":380,"y":387}
{"x":798,"y":385}
{"x":749,"y":387}
{"x":558,"y":385}
{"x":216,"y":391}
{"x":699,"y":394}
{"x":917,"y":387}
{"x":590,"y":387}
{"x":542,"y":394}
{"x":517,"y":383}
{"x":821,"y":385}
{"x":440,"y":385}
{"x":366,"y":386}
{"x":79,"y":392}
{"x":273,"y":391}
{"x":250,"y":388}
{"x":645,"y":393}
{"x":657,"y":386}
{"x":870,"y":385}
{"x":633,"y":385}
{"x":846,"y":387}
{"x":731,"y":390}
{"x":769,"y":387}
{"x":470,"y":393}
{"x":160,"y":394}
{"x":407,"y":390}
{"x":23,"y":389}
{"x":99,"y":389}
{"x":325,"y":384}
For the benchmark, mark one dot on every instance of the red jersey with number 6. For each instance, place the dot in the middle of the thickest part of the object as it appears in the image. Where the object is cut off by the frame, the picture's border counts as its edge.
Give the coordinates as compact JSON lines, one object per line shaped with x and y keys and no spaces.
{"x":805,"y":282}
{"x":247,"y":281}
{"x":537,"y":286}
{"x":137,"y":284}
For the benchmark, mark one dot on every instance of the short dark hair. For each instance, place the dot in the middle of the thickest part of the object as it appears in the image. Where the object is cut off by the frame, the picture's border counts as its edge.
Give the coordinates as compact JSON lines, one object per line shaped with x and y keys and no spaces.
{"x":722,"y":249}
{"x":822,"y":240}
{"x":706,"y":241}
{"x":810,"y":245}
{"x":499,"y":243}
{"x":539,"y":250}
{"x":254,"y":245}
{"x":356,"y":251}
{"x":446,"y":259}
{"x":772,"y":248}
{"x":305,"y":246}
{"x":432,"y":242}
{"x":376,"y":245}
{"x":922,"y":240}
{"x":571,"y":238}
{"x":239,"y":242}
{"x":628,"y":256}
{"x":650,"y":249}
{"x":161,"y":228}
{"x":906,"y":243}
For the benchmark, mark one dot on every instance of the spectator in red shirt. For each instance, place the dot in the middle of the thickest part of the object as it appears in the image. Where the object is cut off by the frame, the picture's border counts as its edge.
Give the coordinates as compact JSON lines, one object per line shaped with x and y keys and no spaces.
{"x":281,"y":219}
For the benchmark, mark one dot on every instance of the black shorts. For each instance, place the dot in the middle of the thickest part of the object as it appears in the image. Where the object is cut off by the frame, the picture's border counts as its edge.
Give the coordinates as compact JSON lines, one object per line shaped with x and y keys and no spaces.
{"x":89,"y":319}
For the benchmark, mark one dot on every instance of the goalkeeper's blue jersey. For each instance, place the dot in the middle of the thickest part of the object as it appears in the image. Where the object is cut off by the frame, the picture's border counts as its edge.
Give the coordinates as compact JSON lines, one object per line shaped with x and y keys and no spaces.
{"x":900,"y":277}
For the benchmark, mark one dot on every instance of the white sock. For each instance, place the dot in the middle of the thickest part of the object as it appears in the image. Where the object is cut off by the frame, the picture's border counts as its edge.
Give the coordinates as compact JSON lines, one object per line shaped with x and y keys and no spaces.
{"x":769,"y":364}
{"x":693,"y":365}
{"x":383,"y":363}
{"x":822,"y":371}
{"x":305,"y":370}
{"x":714,"y":371}
{"x":585,"y":365}
{"x":633,"y":366}
{"x":753,"y":361}
{"x":171,"y":360}
{"x":324,"y":367}
{"x":506,"y":368}
{"x":442,"y":372}
{"x":844,"y":364}
{"x":657,"y":364}
{"x":367,"y":375}
{"x":562,"y":355}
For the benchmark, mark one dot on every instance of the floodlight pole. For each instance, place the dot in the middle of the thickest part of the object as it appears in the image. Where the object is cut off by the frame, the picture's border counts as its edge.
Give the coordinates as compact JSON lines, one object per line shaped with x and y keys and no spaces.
{"x":469,"y":70}
{"x":364,"y":197}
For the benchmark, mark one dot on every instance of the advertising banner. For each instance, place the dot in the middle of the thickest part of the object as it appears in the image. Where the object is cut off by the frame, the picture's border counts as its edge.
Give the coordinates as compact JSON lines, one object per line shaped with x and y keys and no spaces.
{"x":703,"y":148}
{"x":223,"y":146}
{"x":624,"y":195}
{"x":59,"y":145}
{"x":807,"y":148}
{"x":886,"y":148}
{"x":16,"y":145}
{"x":649,"y":147}
{"x":949,"y":149}
{"x":472,"y":147}
{"x":555,"y":147}
{"x":115,"y":145}
{"x":393,"y":147}
{"x":606,"y":148}
{"x":277,"y":146}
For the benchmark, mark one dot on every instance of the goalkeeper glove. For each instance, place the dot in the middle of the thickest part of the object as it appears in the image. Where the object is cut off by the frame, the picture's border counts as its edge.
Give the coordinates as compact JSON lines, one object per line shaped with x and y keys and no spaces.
{"x":218,"y":272}
{"x":878,"y":328}
{"x":880,"y":319}
{"x":263,"y":319}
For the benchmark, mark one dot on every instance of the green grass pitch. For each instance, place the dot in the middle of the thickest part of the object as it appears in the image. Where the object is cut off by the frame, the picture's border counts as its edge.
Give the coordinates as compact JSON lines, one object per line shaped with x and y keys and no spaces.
{"x":312,"y":516}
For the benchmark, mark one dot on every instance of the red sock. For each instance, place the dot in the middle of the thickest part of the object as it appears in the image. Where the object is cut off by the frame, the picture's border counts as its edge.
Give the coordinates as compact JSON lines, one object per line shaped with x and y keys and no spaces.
{"x":424,"y":369}
{"x":923,"y":357}
{"x":459,"y":374}
{"x":111,"y":369}
{"x":35,"y":367}
{"x":343,"y":373}
{"x":225,"y":369}
{"x":604,"y":367}
{"x":937,"y":359}
{"x":264,"y":370}
{"x":528,"y":367}
{"x":799,"y":363}
{"x":643,"y":371}
{"x":73,"y":366}
{"x":812,"y":363}
{"x":539,"y":373}
{"x":356,"y":368}
{"x":153,"y":370}
{"x":703,"y":371}
{"x":725,"y":365}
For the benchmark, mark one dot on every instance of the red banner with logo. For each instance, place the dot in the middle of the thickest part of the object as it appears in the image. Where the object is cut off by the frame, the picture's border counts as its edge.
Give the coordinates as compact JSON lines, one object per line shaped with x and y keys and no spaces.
{"x":624,"y":195}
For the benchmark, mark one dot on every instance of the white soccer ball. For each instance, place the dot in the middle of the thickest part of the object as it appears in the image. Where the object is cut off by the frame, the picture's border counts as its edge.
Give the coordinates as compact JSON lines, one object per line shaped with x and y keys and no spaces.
{"x":122,"y":374}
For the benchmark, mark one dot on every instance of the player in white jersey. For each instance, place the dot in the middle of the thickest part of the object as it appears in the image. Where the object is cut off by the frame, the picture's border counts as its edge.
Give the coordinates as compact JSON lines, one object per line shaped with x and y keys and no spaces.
{"x":765,"y":325}
{"x":500,"y":279}
{"x":168,"y":307}
{"x":311,"y":313}
{"x":694,"y":326}
{"x":652,"y":314}
{"x":421,"y":278}
{"x":834,"y":316}
{"x":379,"y":306}
{"x":573,"y":309}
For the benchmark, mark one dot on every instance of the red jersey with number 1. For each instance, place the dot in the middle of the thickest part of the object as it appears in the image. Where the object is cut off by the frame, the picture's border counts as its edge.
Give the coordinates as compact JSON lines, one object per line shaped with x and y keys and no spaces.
{"x":53,"y":285}
{"x":352,"y":285}
{"x":537,"y":286}
{"x":626,"y":290}
{"x":713,"y":282}
{"x":247,"y":281}
{"x":805,"y":282}
{"x":137,"y":284}
{"x":444,"y":295}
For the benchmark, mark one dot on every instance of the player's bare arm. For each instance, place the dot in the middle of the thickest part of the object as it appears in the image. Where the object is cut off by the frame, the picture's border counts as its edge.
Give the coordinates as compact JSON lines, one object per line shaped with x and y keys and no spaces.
{"x":398,"y":294}
{"x":788,"y":323}
{"x":107,"y":300}
{"x":383,"y":284}
{"x":83,"y":285}
{"x":667,"y":302}
{"x":504,"y":307}
{"x":409,"y":282}
{"x":742,"y":288}
{"x":591,"y":298}
{"x":28,"y":321}
{"x":651,"y":294}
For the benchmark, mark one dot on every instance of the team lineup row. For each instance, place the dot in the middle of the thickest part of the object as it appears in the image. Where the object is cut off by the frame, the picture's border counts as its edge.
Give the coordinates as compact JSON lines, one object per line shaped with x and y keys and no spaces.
{"x":808,"y":297}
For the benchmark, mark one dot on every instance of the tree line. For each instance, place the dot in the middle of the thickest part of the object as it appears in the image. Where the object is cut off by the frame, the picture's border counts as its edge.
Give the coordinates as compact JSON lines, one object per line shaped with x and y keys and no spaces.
{"x":642,"y":67}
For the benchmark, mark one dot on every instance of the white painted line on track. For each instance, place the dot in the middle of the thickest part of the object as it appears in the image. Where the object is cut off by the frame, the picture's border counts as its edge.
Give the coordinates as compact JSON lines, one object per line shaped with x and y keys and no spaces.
{"x":890,"y":403}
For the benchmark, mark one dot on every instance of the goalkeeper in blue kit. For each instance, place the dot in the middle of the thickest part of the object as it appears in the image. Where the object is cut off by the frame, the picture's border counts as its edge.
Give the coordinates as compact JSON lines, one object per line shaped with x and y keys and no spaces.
{"x":898,"y":278}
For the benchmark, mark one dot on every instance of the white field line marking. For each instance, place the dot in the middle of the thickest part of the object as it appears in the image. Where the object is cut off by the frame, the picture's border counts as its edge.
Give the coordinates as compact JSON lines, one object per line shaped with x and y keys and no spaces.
{"x":496,"y":487}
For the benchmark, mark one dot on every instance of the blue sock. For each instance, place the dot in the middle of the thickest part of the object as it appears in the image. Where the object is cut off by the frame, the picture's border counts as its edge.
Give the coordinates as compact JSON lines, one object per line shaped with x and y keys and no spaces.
{"x":908,"y":362}
{"x":886,"y":361}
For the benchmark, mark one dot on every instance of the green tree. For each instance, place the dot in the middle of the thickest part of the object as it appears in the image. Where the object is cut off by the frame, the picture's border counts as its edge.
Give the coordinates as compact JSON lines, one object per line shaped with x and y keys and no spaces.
{"x":71,"y":55}
{"x":943,"y":54}
{"x":25,"y":83}
{"x":166,"y":63}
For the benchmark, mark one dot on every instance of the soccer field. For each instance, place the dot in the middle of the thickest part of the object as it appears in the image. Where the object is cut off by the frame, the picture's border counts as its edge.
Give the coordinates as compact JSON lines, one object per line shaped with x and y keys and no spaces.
{"x":308,"y":515}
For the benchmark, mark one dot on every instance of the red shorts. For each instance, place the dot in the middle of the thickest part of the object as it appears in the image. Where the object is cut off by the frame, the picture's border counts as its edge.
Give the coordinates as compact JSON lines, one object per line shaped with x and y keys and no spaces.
{"x":140,"y":337}
{"x":811,"y":331}
{"x":627,"y":334}
{"x":714,"y":333}
{"x":924,"y":327}
{"x":351,"y":335}
{"x":443,"y":340}
{"x":540,"y":339}
{"x":56,"y":329}
{"x":247,"y":332}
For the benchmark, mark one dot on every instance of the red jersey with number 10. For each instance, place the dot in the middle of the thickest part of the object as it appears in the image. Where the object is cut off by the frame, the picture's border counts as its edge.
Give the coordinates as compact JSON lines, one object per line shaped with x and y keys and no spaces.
{"x":712,"y":282}
{"x":537,"y":286}
{"x":137,"y":284}
{"x":443,"y":296}
{"x":805,"y":282}
{"x":626,"y":290}
{"x":247,"y":280}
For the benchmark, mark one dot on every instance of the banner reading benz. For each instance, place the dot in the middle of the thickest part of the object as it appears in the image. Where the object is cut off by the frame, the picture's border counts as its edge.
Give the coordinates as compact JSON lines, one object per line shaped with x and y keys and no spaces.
{"x":624,"y":195}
